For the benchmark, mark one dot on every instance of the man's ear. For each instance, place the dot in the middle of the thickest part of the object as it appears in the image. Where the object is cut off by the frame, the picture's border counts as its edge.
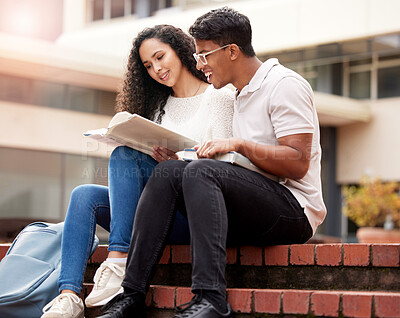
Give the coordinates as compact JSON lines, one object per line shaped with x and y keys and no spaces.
{"x":234,"y":51}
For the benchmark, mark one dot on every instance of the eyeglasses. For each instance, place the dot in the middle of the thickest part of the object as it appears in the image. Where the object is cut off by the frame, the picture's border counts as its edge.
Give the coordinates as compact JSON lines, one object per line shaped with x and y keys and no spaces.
{"x":202,"y":57}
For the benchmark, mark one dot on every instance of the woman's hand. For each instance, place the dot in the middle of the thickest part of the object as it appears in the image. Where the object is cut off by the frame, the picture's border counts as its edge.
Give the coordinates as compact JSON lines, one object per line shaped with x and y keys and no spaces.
{"x":162,"y":154}
{"x":212,"y":147}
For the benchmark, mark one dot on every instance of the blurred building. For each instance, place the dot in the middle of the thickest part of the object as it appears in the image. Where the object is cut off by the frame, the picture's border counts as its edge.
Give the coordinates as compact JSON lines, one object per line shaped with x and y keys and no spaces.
{"x":52,"y":91}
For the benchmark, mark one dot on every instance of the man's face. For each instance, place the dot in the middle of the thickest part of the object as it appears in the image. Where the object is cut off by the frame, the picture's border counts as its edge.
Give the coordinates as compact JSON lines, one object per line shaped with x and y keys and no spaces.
{"x":217,"y":67}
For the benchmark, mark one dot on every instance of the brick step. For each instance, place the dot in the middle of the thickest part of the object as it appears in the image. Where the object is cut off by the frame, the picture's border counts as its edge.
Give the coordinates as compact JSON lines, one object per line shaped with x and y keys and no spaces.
{"x":365,"y":267}
{"x":279,"y":270}
{"x":150,"y":313}
{"x":161,"y":301}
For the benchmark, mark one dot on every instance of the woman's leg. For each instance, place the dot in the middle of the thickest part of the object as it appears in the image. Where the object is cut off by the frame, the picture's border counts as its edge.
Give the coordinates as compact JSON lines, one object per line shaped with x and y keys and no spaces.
{"x":129,"y":171}
{"x":89,"y":204}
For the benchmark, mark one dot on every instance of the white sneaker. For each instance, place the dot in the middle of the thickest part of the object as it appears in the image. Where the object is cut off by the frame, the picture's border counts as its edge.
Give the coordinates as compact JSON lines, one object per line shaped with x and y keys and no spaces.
{"x":107,"y":284}
{"x":64,"y":306}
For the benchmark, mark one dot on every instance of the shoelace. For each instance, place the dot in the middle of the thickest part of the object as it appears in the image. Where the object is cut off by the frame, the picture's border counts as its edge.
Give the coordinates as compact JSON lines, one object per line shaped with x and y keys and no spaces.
{"x":191,"y":307}
{"x":60,"y":303}
{"x":103,"y":272}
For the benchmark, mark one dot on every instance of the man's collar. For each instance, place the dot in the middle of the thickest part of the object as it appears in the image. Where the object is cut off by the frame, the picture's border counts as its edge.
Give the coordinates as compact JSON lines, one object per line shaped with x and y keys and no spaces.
{"x":261,"y":74}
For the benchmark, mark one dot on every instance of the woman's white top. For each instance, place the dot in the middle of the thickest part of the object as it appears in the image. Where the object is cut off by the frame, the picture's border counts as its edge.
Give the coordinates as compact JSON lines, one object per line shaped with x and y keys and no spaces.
{"x":201,"y":117}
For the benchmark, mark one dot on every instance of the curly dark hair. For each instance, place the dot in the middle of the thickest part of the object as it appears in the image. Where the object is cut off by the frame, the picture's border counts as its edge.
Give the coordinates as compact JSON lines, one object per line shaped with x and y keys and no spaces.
{"x":224,"y":26}
{"x":140,"y":93}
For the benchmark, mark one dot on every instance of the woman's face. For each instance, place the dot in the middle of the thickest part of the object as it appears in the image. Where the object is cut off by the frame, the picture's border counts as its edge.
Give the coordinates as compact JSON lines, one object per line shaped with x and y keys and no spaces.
{"x":161,"y":62}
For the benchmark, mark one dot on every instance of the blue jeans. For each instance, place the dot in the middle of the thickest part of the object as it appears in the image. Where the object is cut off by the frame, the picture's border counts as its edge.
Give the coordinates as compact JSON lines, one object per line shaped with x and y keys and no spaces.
{"x":113,"y":208}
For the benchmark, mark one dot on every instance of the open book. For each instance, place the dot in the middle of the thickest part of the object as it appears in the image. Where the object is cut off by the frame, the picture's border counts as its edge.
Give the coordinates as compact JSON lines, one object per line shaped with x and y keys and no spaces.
{"x":231,"y":157}
{"x":139,"y":133}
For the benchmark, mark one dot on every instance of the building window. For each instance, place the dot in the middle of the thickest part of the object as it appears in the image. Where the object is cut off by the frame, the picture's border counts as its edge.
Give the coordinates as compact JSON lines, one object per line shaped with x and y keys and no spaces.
{"x":360,"y":85}
{"x":56,"y":95}
{"x":48,"y":94}
{"x":389,"y":82}
{"x":82,"y":99}
{"x":97,"y":7}
{"x":133,"y":7}
{"x":362,"y":69}
{"x":310,"y":73}
{"x":15,"y":89}
{"x":106,"y":102}
{"x":37,"y":185}
{"x":117,"y":8}
{"x":110,"y":9}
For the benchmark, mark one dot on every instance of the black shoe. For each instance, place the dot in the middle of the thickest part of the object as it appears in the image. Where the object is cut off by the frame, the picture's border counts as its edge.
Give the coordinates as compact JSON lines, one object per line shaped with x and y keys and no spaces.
{"x":200,"y":307}
{"x":122,"y":306}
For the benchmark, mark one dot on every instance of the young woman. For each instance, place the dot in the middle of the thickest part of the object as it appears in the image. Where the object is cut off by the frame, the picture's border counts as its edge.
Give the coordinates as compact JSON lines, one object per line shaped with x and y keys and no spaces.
{"x":161,"y":84}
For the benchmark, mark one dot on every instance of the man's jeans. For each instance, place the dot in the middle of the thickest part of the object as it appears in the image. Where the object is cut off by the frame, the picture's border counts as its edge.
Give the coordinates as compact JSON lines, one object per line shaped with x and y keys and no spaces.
{"x":223,"y":203}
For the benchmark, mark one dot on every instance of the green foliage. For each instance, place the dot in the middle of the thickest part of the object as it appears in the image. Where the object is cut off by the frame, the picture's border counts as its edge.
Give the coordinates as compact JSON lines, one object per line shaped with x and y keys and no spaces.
{"x":371,"y":202}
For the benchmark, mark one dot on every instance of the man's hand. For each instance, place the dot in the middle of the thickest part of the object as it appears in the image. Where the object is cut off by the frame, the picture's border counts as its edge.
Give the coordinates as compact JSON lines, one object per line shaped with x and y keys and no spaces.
{"x":289,"y":159}
{"x":212,"y":147}
{"x":162,"y":154}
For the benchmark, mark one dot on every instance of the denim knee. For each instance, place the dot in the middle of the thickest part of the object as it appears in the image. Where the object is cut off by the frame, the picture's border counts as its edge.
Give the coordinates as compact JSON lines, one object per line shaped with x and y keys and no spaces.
{"x":85,"y":193}
{"x":202,"y":168}
{"x":129,"y":163}
{"x":169,"y":169}
{"x":86,"y":198}
{"x":82,"y":194}
{"x":126,"y":153}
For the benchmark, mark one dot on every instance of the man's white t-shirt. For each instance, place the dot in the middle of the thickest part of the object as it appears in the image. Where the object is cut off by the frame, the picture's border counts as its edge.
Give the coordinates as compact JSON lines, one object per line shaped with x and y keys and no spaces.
{"x":278,"y":102}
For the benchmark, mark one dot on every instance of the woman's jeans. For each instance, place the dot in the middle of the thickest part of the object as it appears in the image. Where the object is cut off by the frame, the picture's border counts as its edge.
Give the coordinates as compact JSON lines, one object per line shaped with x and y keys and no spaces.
{"x":223,"y":203}
{"x":113,"y":209}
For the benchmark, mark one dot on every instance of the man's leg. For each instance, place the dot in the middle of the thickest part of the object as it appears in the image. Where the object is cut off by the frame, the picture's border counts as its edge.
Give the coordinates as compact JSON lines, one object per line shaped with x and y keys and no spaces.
{"x":222,"y":198}
{"x":154,"y":217}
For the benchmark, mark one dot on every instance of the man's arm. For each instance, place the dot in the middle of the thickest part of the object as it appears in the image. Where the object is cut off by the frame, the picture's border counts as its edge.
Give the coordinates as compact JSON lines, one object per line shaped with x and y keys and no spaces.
{"x":289,"y":159}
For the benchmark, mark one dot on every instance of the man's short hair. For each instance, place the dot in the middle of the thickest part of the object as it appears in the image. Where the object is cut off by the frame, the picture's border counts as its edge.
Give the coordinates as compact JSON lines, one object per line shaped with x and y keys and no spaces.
{"x":224,"y":26}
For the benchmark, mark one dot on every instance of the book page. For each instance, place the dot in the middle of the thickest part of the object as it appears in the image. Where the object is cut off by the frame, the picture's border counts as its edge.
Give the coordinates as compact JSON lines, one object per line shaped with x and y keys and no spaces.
{"x":119,"y":118}
{"x":138,"y":132}
{"x":141,"y":134}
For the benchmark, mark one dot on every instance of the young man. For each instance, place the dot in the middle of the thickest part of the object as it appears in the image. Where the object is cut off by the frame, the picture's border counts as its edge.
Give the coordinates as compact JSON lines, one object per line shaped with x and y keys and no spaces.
{"x":276,"y":126}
